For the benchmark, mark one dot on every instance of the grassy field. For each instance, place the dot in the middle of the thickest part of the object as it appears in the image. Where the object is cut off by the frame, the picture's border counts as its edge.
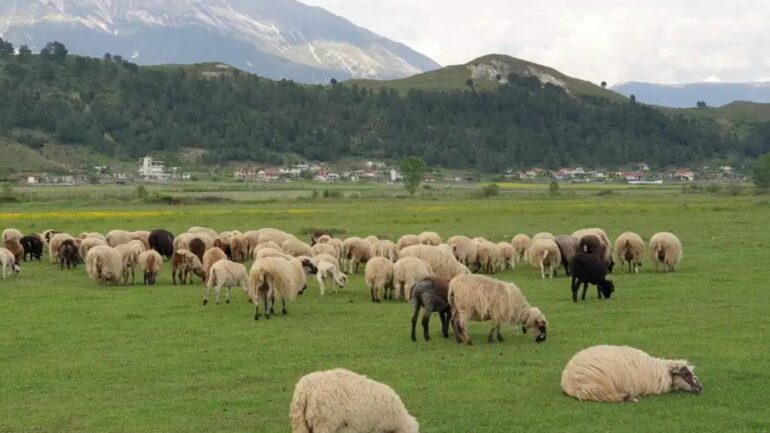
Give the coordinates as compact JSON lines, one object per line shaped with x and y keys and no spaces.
{"x":77,"y":357}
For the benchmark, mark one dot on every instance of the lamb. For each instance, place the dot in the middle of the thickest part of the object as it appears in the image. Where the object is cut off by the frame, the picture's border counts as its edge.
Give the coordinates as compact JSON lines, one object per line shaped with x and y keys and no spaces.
{"x":588,"y":268}
{"x":8,"y":261}
{"x":150,"y":263}
{"x":431,"y":294}
{"x":568,"y":248}
{"x":407,"y":241}
{"x":406,"y":273}
{"x":329,"y":271}
{"x":14,"y":246}
{"x":356,"y":251}
{"x":184,"y":264}
{"x":86,"y":244}
{"x":378,"y":276}
{"x":228,"y":274}
{"x":441,"y":261}
{"x":118,"y":237}
{"x":506,"y":255}
{"x":33,"y":247}
{"x":481,"y":298}
{"x":489,"y":257}
{"x":340,"y":400}
{"x":666,"y":248}
{"x":275,"y":275}
{"x":629,"y":248}
{"x":521,"y":244}
{"x":386,"y":248}
{"x":296,"y":248}
{"x":544,"y":254}
{"x":197,"y":247}
{"x":104,"y":265}
{"x":68,"y":254}
{"x":622,"y":374}
{"x":55,"y":243}
{"x":324,"y":248}
{"x":210,"y":257}
{"x":465,"y":250}
{"x":12,"y":235}
{"x":162,"y":241}
{"x":430,"y":238}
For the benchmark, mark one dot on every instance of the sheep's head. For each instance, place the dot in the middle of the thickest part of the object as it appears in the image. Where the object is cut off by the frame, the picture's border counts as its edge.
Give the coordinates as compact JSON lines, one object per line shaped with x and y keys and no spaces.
{"x":341,"y":279}
{"x":683,"y":378}
{"x":309,"y":267}
{"x":16,"y":268}
{"x":535,"y":319}
{"x":607,"y":288}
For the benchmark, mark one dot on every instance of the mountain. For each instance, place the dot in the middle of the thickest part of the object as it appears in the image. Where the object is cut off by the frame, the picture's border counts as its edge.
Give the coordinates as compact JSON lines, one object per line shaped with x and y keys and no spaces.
{"x":272,"y":38}
{"x":489,"y":72}
{"x":688,"y":95}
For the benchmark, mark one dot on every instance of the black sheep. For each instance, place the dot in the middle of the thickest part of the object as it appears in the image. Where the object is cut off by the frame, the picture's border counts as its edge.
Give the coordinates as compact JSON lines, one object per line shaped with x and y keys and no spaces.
{"x":68,"y":254}
{"x":593,"y":245}
{"x":588,"y":268}
{"x":431,"y":294}
{"x":162,"y":241}
{"x":33,"y":246}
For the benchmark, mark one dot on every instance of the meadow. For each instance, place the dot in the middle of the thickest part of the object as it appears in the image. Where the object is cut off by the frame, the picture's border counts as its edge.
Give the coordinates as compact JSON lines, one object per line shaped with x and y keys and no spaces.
{"x":78,"y":357}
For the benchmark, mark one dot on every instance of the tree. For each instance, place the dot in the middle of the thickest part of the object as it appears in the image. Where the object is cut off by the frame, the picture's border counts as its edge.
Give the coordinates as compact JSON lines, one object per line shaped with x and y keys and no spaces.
{"x":107,"y":57}
{"x":761,"y":173}
{"x":6,"y":48}
{"x":604,"y":84}
{"x":469,"y":83}
{"x":55,"y":51}
{"x":553,"y":188}
{"x":24,"y":51}
{"x":633,"y":98}
{"x":333,"y":81}
{"x":701,"y":104}
{"x":413,"y":170}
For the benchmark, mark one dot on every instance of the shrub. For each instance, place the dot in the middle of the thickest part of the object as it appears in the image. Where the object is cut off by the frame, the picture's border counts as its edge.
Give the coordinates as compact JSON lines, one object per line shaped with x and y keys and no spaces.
{"x":605,"y":192}
{"x":761,"y":173}
{"x":491,"y":190}
{"x":734,"y":190}
{"x":141,"y":192}
{"x":691,"y":189}
{"x":553,"y":188}
{"x":714,"y":188}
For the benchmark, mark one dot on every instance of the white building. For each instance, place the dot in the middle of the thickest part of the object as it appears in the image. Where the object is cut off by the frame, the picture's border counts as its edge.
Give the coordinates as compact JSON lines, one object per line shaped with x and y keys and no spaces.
{"x":152,"y":169}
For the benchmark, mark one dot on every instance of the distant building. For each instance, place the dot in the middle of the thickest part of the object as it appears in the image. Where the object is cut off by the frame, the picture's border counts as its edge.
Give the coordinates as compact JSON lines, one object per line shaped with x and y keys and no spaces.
{"x":151,"y":169}
{"x":684,"y":175}
{"x":33,"y":180}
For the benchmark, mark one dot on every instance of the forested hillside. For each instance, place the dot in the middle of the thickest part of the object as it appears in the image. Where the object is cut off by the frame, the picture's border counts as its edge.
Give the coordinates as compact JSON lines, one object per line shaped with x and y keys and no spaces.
{"x":124,"y":111}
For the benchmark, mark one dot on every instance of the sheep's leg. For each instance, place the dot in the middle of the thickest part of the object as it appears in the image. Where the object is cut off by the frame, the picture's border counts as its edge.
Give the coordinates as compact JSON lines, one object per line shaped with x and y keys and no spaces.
{"x":585,"y":289}
{"x":414,"y":321}
{"x":228,"y":295}
{"x":499,"y":334}
{"x":598,"y":292}
{"x":542,"y":270}
{"x":444,"y":323}
{"x":425,"y":324}
{"x":283,"y":306}
{"x":575,"y":287}
{"x":321,"y":286}
{"x":206,"y":294}
{"x":217,"y":291}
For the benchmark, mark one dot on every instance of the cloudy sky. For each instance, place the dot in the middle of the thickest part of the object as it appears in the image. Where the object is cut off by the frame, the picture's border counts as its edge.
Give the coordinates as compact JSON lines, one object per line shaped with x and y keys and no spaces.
{"x":612,"y":40}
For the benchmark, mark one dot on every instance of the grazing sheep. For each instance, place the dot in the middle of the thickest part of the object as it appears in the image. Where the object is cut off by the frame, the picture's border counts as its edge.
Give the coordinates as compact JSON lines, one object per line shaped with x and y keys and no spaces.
{"x":162,"y":241}
{"x":378,"y":276}
{"x":184,"y":264}
{"x":269,"y":252}
{"x":386,"y":248}
{"x":197,"y":247}
{"x":568,"y":248}
{"x":489,"y":257}
{"x":338,"y":244}
{"x":406,"y":273}
{"x":441,"y":260}
{"x":12,"y":235}
{"x":239,"y":245}
{"x":86,"y":244}
{"x":590,"y":269}
{"x":296,"y":248}
{"x":372,"y":239}
{"x":55,"y":243}
{"x":506,"y":255}
{"x":629,"y":248}
{"x":543,"y":235}
{"x":622,"y":373}
{"x":407,"y":241}
{"x":325,"y":248}
{"x":465,"y":250}
{"x":521,"y":244}
{"x":68,"y":254}
{"x":430,"y":238}
{"x":324,"y":238}
{"x":666,"y":248}
{"x":104,"y":264}
{"x":150,"y":263}
{"x":14,"y":246}
{"x":326,"y":258}
{"x":342,"y":401}
{"x":142,"y":236}
{"x":544,"y":255}
{"x":33,"y":247}
{"x":271,"y":276}
{"x":605,"y":251}
{"x":480,"y":298}
{"x":224,"y":245}
{"x":228,"y":274}
{"x":318,"y":234}
{"x":48,"y":234}
{"x":118,"y":237}
{"x":130,"y":258}
{"x":329,"y":272}
{"x":356,"y":251}
{"x":211,"y":256}
{"x":274,"y":235}
{"x":204,"y":230}
{"x":8,"y":261}
{"x":94,"y":235}
{"x":431,"y":294}
{"x":270,"y":245}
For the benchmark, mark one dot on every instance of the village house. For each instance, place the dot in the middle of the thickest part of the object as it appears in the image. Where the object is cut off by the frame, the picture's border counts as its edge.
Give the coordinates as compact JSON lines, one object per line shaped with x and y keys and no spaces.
{"x":683,"y":174}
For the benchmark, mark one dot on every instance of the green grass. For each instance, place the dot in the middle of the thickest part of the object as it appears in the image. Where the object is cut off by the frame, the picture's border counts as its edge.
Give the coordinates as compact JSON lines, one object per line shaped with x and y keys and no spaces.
{"x":77,"y":357}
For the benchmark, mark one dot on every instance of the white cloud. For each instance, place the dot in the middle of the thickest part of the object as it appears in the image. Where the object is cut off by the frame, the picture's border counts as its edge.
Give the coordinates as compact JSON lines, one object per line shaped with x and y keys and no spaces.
{"x":610,"y":40}
{"x":712,"y":79}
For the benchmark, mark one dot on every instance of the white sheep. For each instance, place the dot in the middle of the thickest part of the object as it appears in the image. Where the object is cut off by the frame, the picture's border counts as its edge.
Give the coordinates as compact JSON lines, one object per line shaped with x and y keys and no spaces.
{"x":228,"y":274}
{"x":629,"y":248}
{"x":622,"y":373}
{"x":407,"y":272}
{"x":142,"y":236}
{"x":356,"y":251}
{"x":372,"y":239}
{"x":605,"y":240}
{"x":55,"y":244}
{"x":430,"y":238}
{"x":118,"y":237}
{"x":205,"y":230}
{"x":130,"y":256}
{"x":12,"y":235}
{"x":324,"y":248}
{"x":666,"y":248}
{"x":521,"y":244}
{"x":93,"y":235}
{"x":88,"y":243}
{"x":543,"y":235}
{"x":269,"y":245}
{"x":274,"y":276}
{"x":481,"y":298}
{"x":506,"y":255}
{"x":327,"y":258}
{"x":379,"y":277}
{"x":274,"y":235}
{"x":150,"y":263}
{"x":342,"y":401}
{"x":104,"y":265}
{"x":407,"y":241}
{"x":7,"y":260}
{"x":296,"y":248}
{"x":386,"y":248}
{"x":465,"y":250}
{"x":441,"y":260}
{"x":544,"y":254}
{"x":489,"y":257}
{"x":329,"y":273}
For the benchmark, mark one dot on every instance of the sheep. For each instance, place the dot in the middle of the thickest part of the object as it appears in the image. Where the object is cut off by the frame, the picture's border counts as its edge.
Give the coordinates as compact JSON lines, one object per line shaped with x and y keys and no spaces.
{"x":666,"y":248}
{"x":252,"y":239}
{"x":489,"y":257}
{"x":441,"y":260}
{"x":274,"y":235}
{"x":104,"y":264}
{"x":68,"y":254}
{"x":12,"y":235}
{"x":265,"y":246}
{"x":184,"y":264}
{"x":86,"y":244}
{"x":329,"y":271}
{"x":465,"y":250}
{"x":14,"y":246}
{"x":407,"y":241}
{"x":210,"y":257}
{"x":324,"y":238}
{"x":506,"y":255}
{"x":622,"y":374}
{"x":605,"y":251}
{"x":406,"y":273}
{"x":296,"y":248}
{"x":386,"y":248}
{"x":372,"y":239}
{"x":197,"y":247}
{"x":118,"y":237}
{"x":481,"y":298}
{"x":356,"y":251}
{"x":55,"y":243}
{"x":33,"y":247}
{"x":162,"y":241}
{"x":431,"y":294}
{"x":544,"y":255}
{"x":205,"y":230}
{"x":239,"y":245}
{"x":430,"y":238}
{"x":325,"y":258}
{"x":130,"y":255}
{"x":228,"y":274}
{"x":318,"y":234}
{"x":378,"y":276}
{"x":150,"y":263}
{"x":7,"y":260}
{"x":343,"y":401}
{"x":543,"y":235}
{"x":269,"y":252}
{"x":521,"y":244}
{"x":326,"y":248}
{"x":222,"y":244}
{"x":629,"y":248}
{"x":48,"y":234}
{"x":94,"y":235}
{"x":568,"y":248}
{"x":275,"y":275}
{"x":588,"y":268}
{"x":338,"y":245}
